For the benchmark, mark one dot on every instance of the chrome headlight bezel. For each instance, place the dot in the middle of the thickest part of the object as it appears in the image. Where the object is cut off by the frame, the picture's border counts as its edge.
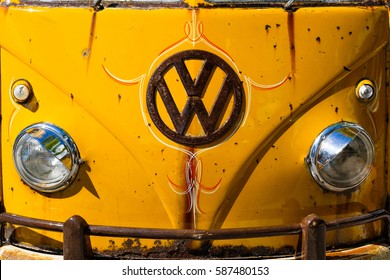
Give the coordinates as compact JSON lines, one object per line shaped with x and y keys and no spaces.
{"x":330,"y":148}
{"x":52,"y":145}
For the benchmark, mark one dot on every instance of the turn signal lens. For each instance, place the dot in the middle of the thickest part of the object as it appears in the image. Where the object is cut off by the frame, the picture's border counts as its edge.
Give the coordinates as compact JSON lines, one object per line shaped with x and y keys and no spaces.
{"x":365,"y":90}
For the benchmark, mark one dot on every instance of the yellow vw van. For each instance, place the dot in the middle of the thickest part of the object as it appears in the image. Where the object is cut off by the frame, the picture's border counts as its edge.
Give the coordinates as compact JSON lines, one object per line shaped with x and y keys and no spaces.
{"x":187,"y":129}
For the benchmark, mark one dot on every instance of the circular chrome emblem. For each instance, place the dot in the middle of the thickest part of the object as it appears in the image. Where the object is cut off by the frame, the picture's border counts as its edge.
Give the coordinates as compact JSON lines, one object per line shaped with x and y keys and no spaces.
{"x":227,"y":93}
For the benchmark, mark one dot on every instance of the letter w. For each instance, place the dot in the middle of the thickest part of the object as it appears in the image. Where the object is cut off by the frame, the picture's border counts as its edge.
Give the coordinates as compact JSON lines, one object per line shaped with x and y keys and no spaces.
{"x":194,"y":105}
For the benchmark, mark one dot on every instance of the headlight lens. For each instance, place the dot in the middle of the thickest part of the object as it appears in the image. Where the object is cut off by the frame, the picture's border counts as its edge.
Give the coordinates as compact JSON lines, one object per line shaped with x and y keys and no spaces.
{"x":46,"y":157}
{"x":341,"y":157}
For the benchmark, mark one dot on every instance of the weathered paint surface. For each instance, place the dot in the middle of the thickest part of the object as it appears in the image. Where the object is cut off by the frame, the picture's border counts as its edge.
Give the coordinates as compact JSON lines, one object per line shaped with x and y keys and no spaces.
{"x":91,"y":76}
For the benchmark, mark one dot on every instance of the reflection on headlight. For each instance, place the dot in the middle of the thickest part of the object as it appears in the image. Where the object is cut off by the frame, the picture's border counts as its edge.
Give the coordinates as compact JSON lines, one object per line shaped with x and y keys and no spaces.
{"x":46,"y":157}
{"x":341,"y":157}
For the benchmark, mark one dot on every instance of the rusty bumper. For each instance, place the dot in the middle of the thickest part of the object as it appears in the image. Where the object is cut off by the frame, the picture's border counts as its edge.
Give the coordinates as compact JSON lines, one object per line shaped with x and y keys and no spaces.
{"x":312,"y":230}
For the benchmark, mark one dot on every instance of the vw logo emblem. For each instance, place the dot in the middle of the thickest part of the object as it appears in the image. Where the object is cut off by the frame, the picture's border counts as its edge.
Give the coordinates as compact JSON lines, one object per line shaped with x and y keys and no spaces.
{"x":214,"y":125}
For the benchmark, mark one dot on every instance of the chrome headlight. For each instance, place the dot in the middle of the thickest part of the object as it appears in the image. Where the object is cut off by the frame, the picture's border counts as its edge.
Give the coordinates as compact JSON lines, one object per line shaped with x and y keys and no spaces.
{"x":341,"y":157}
{"x":46,"y":157}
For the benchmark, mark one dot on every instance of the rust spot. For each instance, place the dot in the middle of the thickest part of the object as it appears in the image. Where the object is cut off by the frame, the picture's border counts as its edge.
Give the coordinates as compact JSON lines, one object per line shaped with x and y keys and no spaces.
{"x":111,"y":245}
{"x":92,"y":31}
{"x":336,"y":110}
{"x":179,"y":250}
{"x":291,"y":36}
{"x":347,"y":69}
{"x":267,"y":27}
{"x":85,"y":52}
{"x":318,"y":39}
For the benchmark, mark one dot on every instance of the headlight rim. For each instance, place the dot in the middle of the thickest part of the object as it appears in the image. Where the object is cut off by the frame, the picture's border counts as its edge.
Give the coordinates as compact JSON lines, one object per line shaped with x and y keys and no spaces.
{"x":66,"y":139}
{"x":311,"y":159}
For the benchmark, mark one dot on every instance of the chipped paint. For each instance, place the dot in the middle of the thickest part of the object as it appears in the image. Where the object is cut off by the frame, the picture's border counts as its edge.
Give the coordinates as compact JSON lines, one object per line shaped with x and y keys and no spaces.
{"x":135,"y":176}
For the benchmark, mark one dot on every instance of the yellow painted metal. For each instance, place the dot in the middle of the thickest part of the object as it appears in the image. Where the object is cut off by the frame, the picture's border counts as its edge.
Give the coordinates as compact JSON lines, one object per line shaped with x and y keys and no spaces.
{"x":90,"y":71}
